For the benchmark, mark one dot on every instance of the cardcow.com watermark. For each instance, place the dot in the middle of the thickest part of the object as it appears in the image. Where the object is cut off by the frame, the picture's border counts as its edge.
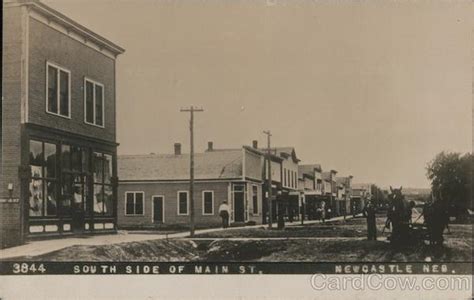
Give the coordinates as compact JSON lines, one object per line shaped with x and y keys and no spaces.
{"x":375,"y":282}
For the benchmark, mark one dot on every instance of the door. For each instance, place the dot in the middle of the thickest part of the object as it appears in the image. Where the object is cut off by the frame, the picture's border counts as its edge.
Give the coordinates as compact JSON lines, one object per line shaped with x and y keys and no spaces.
{"x":239,"y":208}
{"x":158,"y":209}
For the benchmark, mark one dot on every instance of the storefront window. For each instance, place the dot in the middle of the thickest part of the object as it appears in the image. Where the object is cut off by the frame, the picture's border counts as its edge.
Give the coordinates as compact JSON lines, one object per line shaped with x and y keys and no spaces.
{"x":42,"y":187}
{"x":107,"y":168}
{"x":76,"y":161}
{"x":36,"y":198}
{"x":102,"y":174}
{"x":66,"y":194}
{"x":51,"y":202}
{"x":67,"y":179}
{"x":66,"y":157}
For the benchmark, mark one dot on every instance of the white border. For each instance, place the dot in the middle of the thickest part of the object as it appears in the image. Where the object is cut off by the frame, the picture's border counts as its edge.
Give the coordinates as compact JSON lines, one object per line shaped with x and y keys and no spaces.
{"x":153,"y":207}
{"x":134,"y":202}
{"x":94,"y":83}
{"x":187,"y":203}
{"x":203,"y":211}
{"x":59,"y":68}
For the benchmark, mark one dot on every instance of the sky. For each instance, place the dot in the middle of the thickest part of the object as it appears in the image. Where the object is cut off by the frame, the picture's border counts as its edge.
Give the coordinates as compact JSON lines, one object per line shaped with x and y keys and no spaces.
{"x":371,"y":89}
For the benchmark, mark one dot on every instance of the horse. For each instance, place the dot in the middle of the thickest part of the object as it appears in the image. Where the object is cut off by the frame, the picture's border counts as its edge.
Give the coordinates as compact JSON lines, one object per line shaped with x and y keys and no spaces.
{"x":399,"y":215}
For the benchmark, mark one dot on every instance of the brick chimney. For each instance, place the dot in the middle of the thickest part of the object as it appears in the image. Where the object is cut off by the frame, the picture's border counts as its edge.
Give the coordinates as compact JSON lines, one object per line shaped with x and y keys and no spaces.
{"x":177,"y":148}
{"x":210,"y":146}
{"x":255,"y":144}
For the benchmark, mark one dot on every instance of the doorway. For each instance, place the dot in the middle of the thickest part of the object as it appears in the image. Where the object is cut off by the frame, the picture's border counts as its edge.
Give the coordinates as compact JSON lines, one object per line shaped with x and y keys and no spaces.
{"x":158,"y":209}
{"x":239,"y":209}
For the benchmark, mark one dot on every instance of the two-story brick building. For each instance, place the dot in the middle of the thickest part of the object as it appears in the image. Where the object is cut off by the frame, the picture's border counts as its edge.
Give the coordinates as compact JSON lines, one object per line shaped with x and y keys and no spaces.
{"x":58,"y":149}
{"x":154,"y":189}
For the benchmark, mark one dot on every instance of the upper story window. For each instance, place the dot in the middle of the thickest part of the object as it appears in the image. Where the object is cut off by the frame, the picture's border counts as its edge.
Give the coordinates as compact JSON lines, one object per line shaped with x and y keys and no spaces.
{"x":93,"y":102}
{"x":58,"y":91}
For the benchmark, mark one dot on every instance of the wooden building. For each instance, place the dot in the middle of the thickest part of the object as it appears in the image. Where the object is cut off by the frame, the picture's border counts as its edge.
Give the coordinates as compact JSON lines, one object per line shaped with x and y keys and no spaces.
{"x":154,"y":189}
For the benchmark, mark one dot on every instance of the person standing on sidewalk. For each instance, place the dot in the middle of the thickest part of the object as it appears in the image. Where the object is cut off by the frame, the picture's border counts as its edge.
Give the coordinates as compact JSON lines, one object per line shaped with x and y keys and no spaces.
{"x":323,"y":212}
{"x":224,"y":212}
{"x":369,"y":212}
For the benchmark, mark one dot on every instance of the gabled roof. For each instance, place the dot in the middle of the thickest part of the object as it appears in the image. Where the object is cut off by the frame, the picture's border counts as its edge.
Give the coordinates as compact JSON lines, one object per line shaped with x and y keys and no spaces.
{"x":223,"y":164}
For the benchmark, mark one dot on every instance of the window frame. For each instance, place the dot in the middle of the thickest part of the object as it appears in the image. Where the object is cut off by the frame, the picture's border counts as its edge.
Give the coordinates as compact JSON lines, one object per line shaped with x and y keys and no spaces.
{"x":187,"y":203}
{"x":58,"y":69}
{"x":94,"y":84}
{"x":203,"y":203}
{"x":134,"y":203}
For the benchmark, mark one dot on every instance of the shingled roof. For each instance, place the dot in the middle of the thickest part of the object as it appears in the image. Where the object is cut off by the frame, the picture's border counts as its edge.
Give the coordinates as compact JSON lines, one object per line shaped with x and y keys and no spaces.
{"x":223,"y":164}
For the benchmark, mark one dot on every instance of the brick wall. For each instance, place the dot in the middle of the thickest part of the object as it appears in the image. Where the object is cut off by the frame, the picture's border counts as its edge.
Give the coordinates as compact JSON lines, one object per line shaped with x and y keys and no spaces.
{"x":82,"y":61}
{"x":10,"y":227}
{"x":169,"y":191}
{"x":9,"y":224}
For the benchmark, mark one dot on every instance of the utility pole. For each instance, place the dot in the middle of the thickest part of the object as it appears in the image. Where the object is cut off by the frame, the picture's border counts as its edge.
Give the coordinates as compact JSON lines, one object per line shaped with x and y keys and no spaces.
{"x":191,"y":110}
{"x":269,"y":180}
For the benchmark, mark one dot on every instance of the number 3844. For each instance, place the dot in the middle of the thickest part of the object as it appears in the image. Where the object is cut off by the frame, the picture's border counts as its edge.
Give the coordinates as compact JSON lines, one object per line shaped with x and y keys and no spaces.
{"x":26,"y":268}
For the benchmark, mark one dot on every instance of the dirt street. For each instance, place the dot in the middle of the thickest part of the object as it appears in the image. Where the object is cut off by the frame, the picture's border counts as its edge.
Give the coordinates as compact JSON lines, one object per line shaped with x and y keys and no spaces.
{"x":338,"y":241}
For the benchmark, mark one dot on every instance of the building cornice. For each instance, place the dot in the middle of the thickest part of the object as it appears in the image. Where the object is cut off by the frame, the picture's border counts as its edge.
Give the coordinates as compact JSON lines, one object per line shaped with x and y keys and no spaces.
{"x":62,"y":23}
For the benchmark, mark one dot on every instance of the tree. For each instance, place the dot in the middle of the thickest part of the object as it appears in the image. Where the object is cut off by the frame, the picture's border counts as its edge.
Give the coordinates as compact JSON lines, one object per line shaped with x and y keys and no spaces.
{"x":451,"y":178}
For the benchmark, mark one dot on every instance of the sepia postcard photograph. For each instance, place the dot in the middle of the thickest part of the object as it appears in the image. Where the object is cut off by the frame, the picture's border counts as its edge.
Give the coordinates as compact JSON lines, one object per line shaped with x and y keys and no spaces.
{"x":267,"y":149}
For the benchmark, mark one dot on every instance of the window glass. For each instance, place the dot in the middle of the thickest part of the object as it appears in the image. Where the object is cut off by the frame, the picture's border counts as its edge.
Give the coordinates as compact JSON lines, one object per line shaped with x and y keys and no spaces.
{"x":89,"y":102}
{"x":36,"y":198}
{"x":78,"y":194}
{"x":98,"y":199}
{"x":85,"y":160}
{"x":98,"y":167}
{"x":67,"y":194}
{"x":66,"y":157}
{"x":50,"y":196}
{"x":63,"y":93}
{"x":108,"y":203}
{"x":76,"y":160}
{"x":208,"y":202}
{"x":239,"y":187}
{"x":36,"y":153}
{"x":139,"y":203}
{"x":50,"y":158}
{"x":107,"y":168}
{"x":183,"y":203}
{"x":255,"y":199}
{"x":99,"y":118}
{"x":52,"y":90}
{"x":130,"y":205}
